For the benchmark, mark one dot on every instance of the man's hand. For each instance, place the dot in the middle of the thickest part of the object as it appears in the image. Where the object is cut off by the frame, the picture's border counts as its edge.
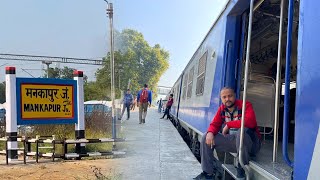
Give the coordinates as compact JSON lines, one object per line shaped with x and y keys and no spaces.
{"x":138,"y":104}
{"x":149,"y":104}
{"x":210,"y":139}
{"x":225,"y":130}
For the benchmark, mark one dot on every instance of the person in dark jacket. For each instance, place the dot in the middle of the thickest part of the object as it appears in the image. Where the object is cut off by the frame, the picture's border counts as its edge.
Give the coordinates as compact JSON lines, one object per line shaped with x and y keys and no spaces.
{"x":228,"y":118}
{"x":127,"y":101}
{"x":160,"y":103}
{"x":168,"y":107}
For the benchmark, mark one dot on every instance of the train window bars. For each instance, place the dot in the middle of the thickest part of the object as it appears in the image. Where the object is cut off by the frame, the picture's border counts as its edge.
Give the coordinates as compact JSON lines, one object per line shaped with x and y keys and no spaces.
{"x":190,"y":82}
{"x":185,"y":81}
{"x":201,"y":74}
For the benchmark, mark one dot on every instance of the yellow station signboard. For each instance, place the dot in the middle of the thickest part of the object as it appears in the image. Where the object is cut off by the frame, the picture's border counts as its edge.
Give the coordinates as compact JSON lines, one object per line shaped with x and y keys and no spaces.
{"x":47,"y":101}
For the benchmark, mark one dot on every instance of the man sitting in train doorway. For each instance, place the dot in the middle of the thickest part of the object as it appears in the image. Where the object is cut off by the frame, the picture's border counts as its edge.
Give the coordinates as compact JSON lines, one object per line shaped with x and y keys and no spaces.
{"x":228,"y":118}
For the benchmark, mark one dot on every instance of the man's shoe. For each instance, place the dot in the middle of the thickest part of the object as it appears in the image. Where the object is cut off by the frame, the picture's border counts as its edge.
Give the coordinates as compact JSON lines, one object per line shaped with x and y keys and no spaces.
{"x":204,"y":175}
{"x":240,"y":173}
{"x":161,"y":118}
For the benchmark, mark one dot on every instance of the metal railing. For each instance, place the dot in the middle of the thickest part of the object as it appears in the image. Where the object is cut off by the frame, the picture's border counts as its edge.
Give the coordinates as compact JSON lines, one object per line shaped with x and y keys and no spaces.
{"x":23,"y":57}
{"x":287,"y":87}
{"x":278,"y":85}
{"x":245,"y":90}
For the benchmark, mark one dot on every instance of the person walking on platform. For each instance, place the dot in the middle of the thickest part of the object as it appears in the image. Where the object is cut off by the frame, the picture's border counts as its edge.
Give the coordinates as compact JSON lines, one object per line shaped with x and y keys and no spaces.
{"x":159,"y":105}
{"x":168,"y":107}
{"x":127,"y":101}
{"x":228,"y":117}
{"x":144,"y":99}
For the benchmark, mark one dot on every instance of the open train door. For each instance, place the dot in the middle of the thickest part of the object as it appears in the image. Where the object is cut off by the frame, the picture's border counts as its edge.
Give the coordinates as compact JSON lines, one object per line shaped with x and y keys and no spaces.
{"x":241,"y":57}
{"x":235,"y":47}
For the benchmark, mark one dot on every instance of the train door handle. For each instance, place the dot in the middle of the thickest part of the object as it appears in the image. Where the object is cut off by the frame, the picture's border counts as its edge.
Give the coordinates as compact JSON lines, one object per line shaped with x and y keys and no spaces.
{"x":236,"y":69}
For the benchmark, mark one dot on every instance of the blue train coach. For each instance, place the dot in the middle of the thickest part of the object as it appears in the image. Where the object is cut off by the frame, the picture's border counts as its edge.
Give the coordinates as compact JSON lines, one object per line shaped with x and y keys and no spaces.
{"x":97,"y":106}
{"x":268,"y":51}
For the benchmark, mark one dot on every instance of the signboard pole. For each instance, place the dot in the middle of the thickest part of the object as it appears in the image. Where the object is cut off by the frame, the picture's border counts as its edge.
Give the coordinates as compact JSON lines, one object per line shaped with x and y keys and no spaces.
{"x":11,"y":113}
{"x":80,"y":126}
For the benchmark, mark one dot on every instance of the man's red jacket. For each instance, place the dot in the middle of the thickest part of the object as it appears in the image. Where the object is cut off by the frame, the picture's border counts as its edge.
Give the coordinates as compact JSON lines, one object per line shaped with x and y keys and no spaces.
{"x":249,"y":118}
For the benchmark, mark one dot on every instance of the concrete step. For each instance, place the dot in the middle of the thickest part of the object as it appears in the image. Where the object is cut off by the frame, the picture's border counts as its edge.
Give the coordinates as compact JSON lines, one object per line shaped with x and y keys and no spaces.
{"x":47,"y":155}
{"x":262,"y":173}
{"x":230,"y":169}
{"x":16,"y":149}
{"x":119,"y":153}
{"x":45,"y":147}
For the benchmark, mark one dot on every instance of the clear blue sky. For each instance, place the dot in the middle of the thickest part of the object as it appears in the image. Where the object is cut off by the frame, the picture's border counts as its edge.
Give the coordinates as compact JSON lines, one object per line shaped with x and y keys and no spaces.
{"x":79,"y":28}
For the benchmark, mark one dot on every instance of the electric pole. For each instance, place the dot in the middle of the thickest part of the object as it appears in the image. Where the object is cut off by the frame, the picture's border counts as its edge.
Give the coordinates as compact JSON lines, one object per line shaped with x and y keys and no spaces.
{"x":48,"y":66}
{"x":110,"y":15}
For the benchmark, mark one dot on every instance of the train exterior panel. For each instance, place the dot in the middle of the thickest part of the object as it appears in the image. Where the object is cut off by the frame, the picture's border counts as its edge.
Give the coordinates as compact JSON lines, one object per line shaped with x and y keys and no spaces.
{"x":197,"y":107}
{"x":307,"y":145}
{"x":176,"y":96}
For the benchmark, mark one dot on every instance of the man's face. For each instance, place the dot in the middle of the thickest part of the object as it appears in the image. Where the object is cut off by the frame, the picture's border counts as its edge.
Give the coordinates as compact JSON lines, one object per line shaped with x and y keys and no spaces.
{"x":227,"y":97}
{"x":128,"y":92}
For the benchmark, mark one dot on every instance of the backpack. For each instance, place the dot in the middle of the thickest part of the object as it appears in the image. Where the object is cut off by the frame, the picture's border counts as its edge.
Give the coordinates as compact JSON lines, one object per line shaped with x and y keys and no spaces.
{"x":144,"y":96}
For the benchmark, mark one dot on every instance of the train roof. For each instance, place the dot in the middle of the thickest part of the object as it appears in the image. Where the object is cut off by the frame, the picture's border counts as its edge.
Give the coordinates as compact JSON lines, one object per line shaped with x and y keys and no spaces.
{"x":93,"y":102}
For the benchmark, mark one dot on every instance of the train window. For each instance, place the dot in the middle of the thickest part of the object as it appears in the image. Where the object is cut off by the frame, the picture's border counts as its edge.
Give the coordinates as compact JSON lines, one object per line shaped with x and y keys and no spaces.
{"x":173,"y":91}
{"x":177,"y":93}
{"x":201,"y":74}
{"x":190,"y":82}
{"x":88,"y":108}
{"x":185,"y":80}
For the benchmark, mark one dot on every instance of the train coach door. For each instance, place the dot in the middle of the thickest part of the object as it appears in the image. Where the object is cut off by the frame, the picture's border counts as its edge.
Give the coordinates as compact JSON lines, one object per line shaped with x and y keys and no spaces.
{"x":234,"y":54}
{"x":231,"y":62}
{"x":242,"y":54}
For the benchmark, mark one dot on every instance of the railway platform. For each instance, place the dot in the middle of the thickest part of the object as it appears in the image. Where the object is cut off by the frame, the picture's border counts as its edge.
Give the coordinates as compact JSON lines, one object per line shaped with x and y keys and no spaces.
{"x":155,"y":150}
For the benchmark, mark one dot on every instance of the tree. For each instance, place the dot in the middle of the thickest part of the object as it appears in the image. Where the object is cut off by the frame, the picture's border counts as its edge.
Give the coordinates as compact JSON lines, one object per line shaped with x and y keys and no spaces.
{"x":140,"y":62}
{"x":52,"y":73}
{"x":90,"y":89}
{"x":64,"y":73}
{"x":93,"y":92}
